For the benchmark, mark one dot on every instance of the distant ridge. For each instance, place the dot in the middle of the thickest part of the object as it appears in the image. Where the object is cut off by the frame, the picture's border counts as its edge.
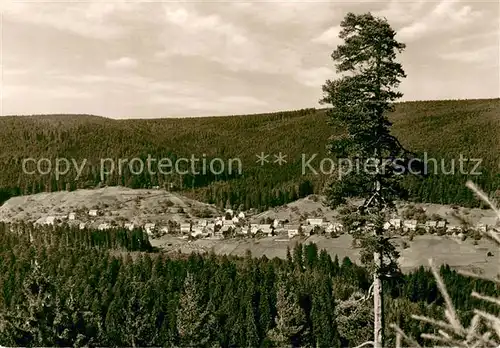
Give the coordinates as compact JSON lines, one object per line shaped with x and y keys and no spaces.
{"x":238,"y":115}
{"x":57,"y":115}
{"x":442,"y":129}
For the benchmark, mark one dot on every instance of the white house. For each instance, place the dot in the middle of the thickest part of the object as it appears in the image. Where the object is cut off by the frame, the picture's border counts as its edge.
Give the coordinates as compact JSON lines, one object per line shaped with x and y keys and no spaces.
{"x":387,"y":225}
{"x":315,"y":222}
{"x":395,"y":222}
{"x":430,"y":224}
{"x":266,"y":229}
{"x":276,"y":223}
{"x":241,"y":215}
{"x":218,"y":233}
{"x":293,"y":230}
{"x":289,"y":227}
{"x":338,"y":227}
{"x":441,"y":224}
{"x":202,"y":223}
{"x":235,"y":220}
{"x":185,"y":228}
{"x":50,"y":220}
{"x":219,"y":223}
{"x":228,"y":223}
{"x":104,"y":226}
{"x":197,"y":229}
{"x":230,"y":212}
{"x":129,"y":226}
{"x":328,"y":227}
{"x":196,"y":232}
{"x":164,"y":230}
{"x":71,"y":216}
{"x":93,"y":212}
{"x":421,"y":226}
{"x":254,"y":228}
{"x":241,"y":230}
{"x":307,"y":230}
{"x":149,"y":228}
{"x":82,"y":225}
{"x":223,"y":229}
{"x":410,"y":224}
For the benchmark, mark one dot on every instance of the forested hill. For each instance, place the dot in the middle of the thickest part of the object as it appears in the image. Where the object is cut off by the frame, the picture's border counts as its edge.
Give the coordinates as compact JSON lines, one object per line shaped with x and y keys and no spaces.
{"x":443,"y":129}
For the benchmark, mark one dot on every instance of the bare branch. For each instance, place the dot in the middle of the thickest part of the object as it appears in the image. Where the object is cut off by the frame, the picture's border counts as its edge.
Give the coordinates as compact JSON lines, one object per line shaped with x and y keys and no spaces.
{"x":405,"y":337}
{"x":365,"y":344}
{"x":494,"y":300}
{"x":478,"y":276}
{"x":450,"y":309}
{"x":480,"y":193}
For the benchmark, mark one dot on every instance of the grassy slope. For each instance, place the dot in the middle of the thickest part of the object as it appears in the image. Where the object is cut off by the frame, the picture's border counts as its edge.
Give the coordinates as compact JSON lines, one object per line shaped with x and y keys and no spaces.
{"x":441,"y":128}
{"x":118,"y":204}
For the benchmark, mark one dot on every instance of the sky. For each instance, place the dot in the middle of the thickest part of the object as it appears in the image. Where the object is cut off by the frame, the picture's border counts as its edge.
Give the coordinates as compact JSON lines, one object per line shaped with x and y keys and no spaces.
{"x":148,"y":59}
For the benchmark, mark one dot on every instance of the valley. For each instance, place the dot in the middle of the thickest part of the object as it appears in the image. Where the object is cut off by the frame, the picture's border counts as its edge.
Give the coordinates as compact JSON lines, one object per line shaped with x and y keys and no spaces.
{"x":118,"y":206}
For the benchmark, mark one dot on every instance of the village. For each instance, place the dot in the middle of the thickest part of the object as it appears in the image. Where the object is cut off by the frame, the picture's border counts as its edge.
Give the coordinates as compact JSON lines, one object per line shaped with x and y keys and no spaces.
{"x":238,"y":224}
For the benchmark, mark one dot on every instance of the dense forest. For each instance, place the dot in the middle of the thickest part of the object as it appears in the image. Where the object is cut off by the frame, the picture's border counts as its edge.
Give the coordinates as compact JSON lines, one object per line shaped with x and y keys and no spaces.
{"x":69,"y":287}
{"x":442,"y":129}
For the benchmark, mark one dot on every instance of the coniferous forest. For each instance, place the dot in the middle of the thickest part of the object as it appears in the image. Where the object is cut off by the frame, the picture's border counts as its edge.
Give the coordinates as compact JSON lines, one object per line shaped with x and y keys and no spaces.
{"x":443,"y":130}
{"x":62,"y":286}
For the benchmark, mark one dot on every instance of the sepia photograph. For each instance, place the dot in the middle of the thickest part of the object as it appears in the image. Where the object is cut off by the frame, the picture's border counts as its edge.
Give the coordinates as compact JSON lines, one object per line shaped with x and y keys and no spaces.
{"x":236,"y":173}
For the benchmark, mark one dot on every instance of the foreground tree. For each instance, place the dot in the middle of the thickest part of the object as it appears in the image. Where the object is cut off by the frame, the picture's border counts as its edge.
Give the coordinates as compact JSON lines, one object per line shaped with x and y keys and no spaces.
{"x":32,"y":317}
{"x":360,"y":100}
{"x":290,"y":317}
{"x":194,"y":318}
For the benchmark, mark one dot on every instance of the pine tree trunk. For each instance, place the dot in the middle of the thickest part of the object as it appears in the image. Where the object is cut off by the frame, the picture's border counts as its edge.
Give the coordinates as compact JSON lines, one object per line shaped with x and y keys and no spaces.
{"x":377,"y":290}
{"x":377,"y":304}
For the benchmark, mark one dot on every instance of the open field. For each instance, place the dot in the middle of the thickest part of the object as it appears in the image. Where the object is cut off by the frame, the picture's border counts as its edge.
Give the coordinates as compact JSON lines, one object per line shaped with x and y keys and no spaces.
{"x":444,"y":250}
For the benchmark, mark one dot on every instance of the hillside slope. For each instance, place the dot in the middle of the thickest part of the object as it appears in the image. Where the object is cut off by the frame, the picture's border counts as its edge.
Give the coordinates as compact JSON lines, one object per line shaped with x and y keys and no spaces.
{"x":314,"y":207}
{"x":442,"y":129}
{"x":117,"y":204}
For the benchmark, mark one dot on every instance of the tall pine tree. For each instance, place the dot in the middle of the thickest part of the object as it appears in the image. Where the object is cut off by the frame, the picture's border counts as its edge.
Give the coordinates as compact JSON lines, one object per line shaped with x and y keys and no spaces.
{"x":360,"y":100}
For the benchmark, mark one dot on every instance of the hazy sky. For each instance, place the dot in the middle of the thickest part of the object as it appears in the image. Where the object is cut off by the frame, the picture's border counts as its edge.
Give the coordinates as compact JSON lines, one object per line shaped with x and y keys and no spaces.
{"x":160,"y":59}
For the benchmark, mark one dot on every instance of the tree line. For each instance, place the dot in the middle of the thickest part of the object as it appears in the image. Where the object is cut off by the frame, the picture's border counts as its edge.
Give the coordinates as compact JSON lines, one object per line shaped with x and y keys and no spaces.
{"x":63,"y":287}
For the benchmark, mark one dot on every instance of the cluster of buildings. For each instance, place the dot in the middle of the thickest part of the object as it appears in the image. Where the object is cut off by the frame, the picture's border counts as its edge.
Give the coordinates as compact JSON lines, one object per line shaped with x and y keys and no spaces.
{"x":232,"y":224}
{"x":434,"y":226}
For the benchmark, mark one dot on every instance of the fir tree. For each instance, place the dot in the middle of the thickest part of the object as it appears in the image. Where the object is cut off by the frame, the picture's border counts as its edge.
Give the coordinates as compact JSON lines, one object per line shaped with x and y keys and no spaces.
{"x":324,"y":327}
{"x":194,"y":320}
{"x":290,"y":319}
